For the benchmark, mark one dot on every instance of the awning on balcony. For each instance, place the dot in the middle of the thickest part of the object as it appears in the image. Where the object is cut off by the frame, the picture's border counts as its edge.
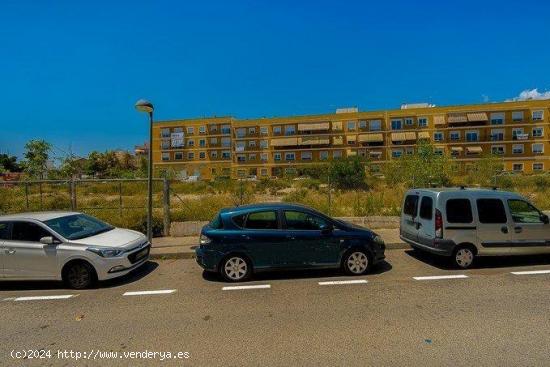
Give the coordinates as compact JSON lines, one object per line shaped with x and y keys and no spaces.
{"x":284,"y":142}
{"x":351,"y":138}
{"x":397,"y":136}
{"x":337,"y":125}
{"x":439,"y":120}
{"x":423,"y":135}
{"x":351,"y":153}
{"x":314,"y":127}
{"x":410,"y":135}
{"x":457,"y":149}
{"x":477,"y":116}
{"x":457,"y":117}
{"x":371,"y":138}
{"x":313,"y":140}
{"x":375,"y":153}
{"x":473,"y":150}
{"x":338,"y":140}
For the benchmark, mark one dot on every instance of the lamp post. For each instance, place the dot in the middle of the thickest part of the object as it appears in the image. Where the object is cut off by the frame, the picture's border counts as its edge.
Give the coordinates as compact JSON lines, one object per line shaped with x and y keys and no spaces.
{"x":145,"y":106}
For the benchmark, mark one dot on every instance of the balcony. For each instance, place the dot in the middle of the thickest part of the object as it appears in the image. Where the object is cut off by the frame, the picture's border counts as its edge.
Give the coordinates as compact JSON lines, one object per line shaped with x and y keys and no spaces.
{"x":467,"y":119}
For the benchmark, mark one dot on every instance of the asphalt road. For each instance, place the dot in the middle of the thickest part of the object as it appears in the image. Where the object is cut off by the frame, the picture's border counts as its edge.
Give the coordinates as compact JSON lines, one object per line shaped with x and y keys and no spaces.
{"x":486,"y":316}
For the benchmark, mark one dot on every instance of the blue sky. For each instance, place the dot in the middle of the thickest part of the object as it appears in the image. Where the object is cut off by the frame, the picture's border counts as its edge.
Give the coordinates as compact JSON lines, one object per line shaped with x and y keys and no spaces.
{"x":70,"y":71}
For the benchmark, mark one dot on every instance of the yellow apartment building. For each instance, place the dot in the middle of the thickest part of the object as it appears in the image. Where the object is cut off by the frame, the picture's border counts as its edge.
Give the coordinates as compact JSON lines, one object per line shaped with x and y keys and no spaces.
{"x":518,"y":132}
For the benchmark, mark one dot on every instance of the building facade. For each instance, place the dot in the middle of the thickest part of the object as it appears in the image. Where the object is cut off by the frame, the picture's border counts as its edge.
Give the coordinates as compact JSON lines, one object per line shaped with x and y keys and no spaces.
{"x":518,"y":132}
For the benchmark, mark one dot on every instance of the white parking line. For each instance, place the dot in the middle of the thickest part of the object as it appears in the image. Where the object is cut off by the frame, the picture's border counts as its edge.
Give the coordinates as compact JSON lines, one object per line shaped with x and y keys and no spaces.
{"x":531,"y":272}
{"x":40,"y":298}
{"x":436,"y":277}
{"x":342,"y":282}
{"x":148,"y":293}
{"x":241,"y":287}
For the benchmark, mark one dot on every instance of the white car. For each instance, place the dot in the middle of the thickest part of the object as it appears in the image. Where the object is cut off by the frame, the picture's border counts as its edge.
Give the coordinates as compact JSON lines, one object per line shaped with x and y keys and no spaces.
{"x":74,"y":247}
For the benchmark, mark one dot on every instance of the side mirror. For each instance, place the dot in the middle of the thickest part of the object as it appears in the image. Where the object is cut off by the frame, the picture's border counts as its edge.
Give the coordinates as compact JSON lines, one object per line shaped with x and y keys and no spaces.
{"x":48,"y":240}
{"x":327,"y":229}
{"x":544,"y":219}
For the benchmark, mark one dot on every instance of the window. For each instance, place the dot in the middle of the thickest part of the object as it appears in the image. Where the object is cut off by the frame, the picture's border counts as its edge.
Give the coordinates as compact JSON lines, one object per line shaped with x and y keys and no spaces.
{"x":226,"y":129}
{"x":263,"y":172}
{"x":202,"y":129}
{"x":497,"y":118}
{"x":458,"y":211}
{"x":422,"y":122}
{"x":202,"y":143}
{"x":178,"y":156}
{"x":491,"y":211}
{"x":352,"y":125}
{"x":251,"y":130}
{"x":226,"y":142}
{"x":539,"y":166}
{"x":191,"y":143}
{"x":426,"y":208}
{"x":252,"y":143}
{"x":517,"y":149}
{"x":190,"y":130}
{"x":537,"y":115}
{"x":214,"y":154}
{"x":351,"y":139}
{"x":239,"y":220}
{"x":517,"y":167}
{"x":290,"y":156}
{"x":202,"y":155}
{"x":165,"y":133}
{"x":523,"y":212}
{"x":240,"y":132}
{"x":226,"y":154}
{"x":264,"y":157}
{"x":323,"y":155}
{"x":537,"y":148}
{"x":4,"y":231}
{"x":472,"y":136}
{"x":262,"y":220}
{"x":263,"y":130}
{"x":26,"y":231}
{"x":213,"y":141}
{"x":77,"y":226}
{"x":497,"y":149}
{"x":454,"y":135}
{"x":410,"y":207}
{"x":301,"y":221}
{"x":538,"y":132}
{"x":241,"y":158}
{"x":396,"y":124}
{"x":516,"y":133}
{"x":409,"y":121}
{"x":337,"y":154}
{"x":396,"y":153}
{"x":362,"y":124}
{"x":517,"y":116}
{"x":277,"y":156}
{"x":241,"y":172}
{"x":190,"y":155}
{"x":263,"y":144}
{"x":497,"y":135}
{"x":277,"y":130}
{"x":213,"y":128}
{"x":409,"y":151}
{"x":438,"y":136}
{"x":375,"y":125}
{"x":290,"y":130}
{"x":165,"y":156}
{"x":252,"y":157}
{"x":165,"y":144}
{"x":307,"y":156}
{"x":439,"y":151}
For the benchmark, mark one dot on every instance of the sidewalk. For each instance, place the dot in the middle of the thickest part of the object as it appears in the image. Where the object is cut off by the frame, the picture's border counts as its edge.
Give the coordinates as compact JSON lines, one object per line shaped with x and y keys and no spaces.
{"x":184,"y":247}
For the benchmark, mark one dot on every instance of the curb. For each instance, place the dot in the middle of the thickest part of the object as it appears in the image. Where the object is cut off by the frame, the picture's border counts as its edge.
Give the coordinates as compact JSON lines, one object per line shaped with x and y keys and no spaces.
{"x":191,"y":255}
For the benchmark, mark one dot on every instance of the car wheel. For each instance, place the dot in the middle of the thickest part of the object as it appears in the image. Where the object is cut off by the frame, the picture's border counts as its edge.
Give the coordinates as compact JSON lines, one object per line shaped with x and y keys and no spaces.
{"x":463,"y":257}
{"x":356,"y":262}
{"x":235,"y":268}
{"x":79,"y":275}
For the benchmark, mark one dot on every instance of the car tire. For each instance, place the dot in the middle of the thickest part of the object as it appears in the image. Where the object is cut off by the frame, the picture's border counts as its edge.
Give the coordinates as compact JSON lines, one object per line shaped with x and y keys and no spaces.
{"x":463,"y":257}
{"x":235,"y":268}
{"x":356,"y":262}
{"x":79,"y":275}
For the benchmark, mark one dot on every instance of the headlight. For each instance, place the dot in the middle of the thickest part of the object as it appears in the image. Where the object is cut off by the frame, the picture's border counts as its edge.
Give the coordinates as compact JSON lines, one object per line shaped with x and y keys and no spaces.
{"x":378,"y":240}
{"x":106,"y":252}
{"x":205,"y":240}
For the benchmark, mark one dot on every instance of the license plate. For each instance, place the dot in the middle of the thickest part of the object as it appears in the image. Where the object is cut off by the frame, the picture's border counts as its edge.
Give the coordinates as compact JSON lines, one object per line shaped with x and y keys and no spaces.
{"x":142,"y":253}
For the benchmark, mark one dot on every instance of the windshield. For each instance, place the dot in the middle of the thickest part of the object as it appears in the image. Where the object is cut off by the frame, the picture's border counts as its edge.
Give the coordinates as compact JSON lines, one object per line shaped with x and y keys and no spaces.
{"x":74,"y":227}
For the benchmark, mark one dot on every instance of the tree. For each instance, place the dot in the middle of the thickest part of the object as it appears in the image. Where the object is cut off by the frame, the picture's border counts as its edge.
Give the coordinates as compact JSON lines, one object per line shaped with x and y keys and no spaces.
{"x":484,"y":170}
{"x":37,"y":153}
{"x":348,"y":173}
{"x":9,"y":163}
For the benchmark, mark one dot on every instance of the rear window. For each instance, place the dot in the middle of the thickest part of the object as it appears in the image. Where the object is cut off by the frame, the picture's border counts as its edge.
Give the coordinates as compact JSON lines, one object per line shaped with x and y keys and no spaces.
{"x":459,"y":211}
{"x":262,"y":220}
{"x":426,"y":208}
{"x":491,"y":211}
{"x":411,"y":205}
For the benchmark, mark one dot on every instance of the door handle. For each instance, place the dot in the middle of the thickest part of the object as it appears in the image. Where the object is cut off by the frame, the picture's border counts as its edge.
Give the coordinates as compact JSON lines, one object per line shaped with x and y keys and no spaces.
{"x":10,"y":251}
{"x":517,"y":229}
{"x":292,"y":238}
{"x":245,"y":237}
{"x":504,"y":229}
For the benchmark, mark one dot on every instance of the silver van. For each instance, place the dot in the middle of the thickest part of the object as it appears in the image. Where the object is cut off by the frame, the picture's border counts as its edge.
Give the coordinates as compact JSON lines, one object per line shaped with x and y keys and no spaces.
{"x":463,"y":223}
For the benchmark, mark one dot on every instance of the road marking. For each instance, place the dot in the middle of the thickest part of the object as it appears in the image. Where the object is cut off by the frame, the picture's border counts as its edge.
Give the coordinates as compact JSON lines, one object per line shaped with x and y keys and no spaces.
{"x":341,"y":282}
{"x":240,"y":287}
{"x":436,"y":277}
{"x":40,"y":298}
{"x":531,"y":272}
{"x":148,"y":293}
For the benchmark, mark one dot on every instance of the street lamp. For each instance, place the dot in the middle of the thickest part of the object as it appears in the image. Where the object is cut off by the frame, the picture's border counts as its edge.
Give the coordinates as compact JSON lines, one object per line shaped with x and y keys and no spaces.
{"x":145,"y":106}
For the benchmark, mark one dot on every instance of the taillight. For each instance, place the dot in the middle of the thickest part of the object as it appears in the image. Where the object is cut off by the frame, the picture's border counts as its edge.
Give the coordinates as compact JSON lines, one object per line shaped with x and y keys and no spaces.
{"x":438,"y":224}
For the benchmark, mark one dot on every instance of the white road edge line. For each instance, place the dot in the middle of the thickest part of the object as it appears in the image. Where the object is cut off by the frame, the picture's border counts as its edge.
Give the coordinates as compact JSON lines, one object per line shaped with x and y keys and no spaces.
{"x":241,"y":287}
{"x":436,"y":277}
{"x":343,"y":282}
{"x":40,"y":298}
{"x":531,"y":272}
{"x":148,"y":293}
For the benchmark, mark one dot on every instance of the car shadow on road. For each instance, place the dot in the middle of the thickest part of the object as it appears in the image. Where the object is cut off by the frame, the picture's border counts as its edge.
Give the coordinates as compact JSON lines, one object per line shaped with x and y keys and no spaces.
{"x":131,"y":277}
{"x":380,"y":268}
{"x":485,"y":262}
